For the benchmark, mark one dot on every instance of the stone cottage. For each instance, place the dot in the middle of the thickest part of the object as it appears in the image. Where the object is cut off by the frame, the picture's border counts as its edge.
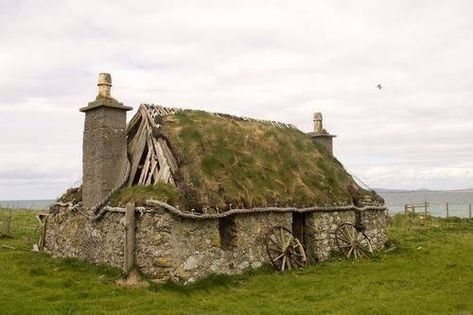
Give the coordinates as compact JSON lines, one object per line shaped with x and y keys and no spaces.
{"x":182,"y":194}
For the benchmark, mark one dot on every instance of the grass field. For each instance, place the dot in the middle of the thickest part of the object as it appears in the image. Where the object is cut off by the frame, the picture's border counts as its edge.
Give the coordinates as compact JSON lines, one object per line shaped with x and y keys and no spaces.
{"x":430,"y":271}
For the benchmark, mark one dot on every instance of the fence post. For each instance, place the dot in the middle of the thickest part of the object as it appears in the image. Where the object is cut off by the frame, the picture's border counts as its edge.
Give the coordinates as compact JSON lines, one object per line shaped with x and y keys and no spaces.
{"x":447,"y":208}
{"x":129,"y":237}
{"x":425,"y":207}
{"x":470,"y":210}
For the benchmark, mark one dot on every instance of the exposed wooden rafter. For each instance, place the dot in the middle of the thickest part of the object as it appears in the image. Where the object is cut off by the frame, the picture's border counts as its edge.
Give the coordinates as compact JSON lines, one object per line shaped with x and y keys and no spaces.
{"x":152,"y":161}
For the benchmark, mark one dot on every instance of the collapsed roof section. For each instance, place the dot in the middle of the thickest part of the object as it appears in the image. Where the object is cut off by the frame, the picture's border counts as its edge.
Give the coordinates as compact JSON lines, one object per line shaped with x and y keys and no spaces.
{"x":151,"y":158}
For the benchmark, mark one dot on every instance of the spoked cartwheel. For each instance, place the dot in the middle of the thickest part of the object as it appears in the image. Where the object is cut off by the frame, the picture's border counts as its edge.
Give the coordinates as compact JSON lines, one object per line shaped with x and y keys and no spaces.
{"x":284,"y":250}
{"x":352,"y":242}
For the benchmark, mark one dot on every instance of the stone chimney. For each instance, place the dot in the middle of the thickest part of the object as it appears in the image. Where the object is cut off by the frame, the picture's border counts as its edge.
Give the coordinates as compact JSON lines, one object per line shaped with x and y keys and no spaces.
{"x":104,"y":145}
{"x":320,"y":135}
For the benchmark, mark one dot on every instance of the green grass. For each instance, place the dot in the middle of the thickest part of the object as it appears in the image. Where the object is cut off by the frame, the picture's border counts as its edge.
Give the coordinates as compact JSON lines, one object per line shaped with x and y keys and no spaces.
{"x":139,"y":194}
{"x":429,"y":271}
{"x":249,"y":163}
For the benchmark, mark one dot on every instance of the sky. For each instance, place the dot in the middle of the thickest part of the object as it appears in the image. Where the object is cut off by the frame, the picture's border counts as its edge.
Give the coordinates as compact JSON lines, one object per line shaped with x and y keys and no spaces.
{"x":279,"y":60}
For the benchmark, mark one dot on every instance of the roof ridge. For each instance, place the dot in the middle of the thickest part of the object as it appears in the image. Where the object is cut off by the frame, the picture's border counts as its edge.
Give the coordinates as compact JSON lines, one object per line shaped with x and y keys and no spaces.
{"x":159,"y":110}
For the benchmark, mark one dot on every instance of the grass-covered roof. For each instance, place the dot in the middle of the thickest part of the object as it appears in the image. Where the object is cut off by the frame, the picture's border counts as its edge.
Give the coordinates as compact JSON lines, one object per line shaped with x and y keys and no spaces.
{"x":223,"y":160}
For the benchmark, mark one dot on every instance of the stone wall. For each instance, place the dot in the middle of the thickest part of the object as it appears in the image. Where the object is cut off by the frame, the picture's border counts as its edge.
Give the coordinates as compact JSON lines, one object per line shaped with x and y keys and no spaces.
{"x":375,"y":224}
{"x":180,"y":249}
{"x":321,"y":228}
{"x":71,"y":234}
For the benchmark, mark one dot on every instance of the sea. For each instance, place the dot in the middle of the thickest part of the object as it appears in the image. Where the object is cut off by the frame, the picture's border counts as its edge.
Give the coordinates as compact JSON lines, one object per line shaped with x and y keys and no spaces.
{"x":458,"y":201}
{"x":27,"y":204}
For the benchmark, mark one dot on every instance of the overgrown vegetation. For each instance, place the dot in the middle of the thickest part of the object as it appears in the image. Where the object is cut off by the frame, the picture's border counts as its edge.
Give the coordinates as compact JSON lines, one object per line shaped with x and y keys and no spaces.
{"x":426,"y":270}
{"x":226,"y":161}
{"x":73,"y":195}
{"x":139,"y":194}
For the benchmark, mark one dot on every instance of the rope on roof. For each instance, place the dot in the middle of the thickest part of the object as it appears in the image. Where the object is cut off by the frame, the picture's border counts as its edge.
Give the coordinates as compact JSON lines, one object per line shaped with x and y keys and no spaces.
{"x":197,"y":216}
{"x":358,"y":181}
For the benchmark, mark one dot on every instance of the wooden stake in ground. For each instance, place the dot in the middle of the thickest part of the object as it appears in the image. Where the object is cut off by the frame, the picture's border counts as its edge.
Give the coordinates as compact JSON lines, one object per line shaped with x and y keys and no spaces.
{"x":129,"y":237}
{"x":132,"y":275}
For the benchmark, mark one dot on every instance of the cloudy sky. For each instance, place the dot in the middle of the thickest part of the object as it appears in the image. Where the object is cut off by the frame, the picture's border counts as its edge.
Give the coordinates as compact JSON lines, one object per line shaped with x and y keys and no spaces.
{"x":279,"y":60}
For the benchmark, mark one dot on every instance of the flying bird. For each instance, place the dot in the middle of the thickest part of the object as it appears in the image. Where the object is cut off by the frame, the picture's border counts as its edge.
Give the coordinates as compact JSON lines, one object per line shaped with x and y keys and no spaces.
{"x":379,"y":86}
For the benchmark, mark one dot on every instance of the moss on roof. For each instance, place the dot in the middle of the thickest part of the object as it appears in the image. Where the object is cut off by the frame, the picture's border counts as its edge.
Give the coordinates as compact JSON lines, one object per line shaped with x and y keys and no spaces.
{"x":224,"y":160}
{"x":139,"y":194}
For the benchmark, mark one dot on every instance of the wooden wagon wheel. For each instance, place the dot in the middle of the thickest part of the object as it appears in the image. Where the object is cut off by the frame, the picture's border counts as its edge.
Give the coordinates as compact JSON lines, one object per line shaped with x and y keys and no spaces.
{"x":284,"y":250}
{"x":353,"y":243}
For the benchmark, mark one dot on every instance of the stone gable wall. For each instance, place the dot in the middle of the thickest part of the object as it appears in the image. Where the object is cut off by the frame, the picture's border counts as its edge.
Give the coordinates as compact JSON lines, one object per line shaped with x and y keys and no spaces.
{"x":174,"y":248}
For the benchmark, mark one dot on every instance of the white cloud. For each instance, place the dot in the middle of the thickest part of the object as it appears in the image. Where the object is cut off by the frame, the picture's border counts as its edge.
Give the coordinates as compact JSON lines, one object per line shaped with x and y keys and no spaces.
{"x":277,"y":60}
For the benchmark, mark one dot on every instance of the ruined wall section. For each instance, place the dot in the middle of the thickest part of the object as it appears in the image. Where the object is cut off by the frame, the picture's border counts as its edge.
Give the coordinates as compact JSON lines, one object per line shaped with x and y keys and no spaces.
{"x":199,"y":251}
{"x":71,"y":234}
{"x":169,"y":247}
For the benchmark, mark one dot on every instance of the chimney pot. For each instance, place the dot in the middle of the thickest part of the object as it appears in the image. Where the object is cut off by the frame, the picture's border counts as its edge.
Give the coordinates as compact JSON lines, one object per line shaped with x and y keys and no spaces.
{"x":105,"y":85}
{"x":318,"y":123}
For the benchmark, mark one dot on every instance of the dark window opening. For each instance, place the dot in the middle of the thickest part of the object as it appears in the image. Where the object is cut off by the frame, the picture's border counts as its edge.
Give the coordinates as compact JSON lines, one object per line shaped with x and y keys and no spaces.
{"x":228,"y":233}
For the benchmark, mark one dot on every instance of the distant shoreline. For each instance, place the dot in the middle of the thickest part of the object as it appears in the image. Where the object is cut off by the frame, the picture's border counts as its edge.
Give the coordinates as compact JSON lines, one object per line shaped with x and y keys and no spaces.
{"x":33,"y":204}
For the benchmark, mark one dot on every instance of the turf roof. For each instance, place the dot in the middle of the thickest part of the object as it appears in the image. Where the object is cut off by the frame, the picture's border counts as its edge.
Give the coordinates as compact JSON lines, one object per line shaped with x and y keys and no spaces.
{"x":224,"y":160}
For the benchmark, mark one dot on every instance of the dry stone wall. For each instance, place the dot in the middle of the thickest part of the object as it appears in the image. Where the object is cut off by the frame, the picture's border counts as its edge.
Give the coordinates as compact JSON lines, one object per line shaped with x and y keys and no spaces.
{"x":169,"y":247}
{"x":71,"y":234}
{"x":375,"y":224}
{"x":321,"y":236}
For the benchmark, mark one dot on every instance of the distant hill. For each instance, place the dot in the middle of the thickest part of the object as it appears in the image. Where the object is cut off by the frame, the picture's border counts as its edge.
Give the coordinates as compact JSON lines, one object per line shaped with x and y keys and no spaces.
{"x":463,"y":190}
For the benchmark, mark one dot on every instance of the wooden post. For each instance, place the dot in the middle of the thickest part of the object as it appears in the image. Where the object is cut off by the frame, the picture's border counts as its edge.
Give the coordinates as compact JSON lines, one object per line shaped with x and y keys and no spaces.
{"x":447,"y":208}
{"x":425,"y":207}
{"x":470,"y":211}
{"x":405,"y":209}
{"x":129,"y":237}
{"x":43,"y":219}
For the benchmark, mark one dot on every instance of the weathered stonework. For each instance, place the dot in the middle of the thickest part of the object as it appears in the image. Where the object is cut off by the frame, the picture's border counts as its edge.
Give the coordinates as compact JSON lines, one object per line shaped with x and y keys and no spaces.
{"x":322,"y":226}
{"x":169,"y":247}
{"x":375,"y":225}
{"x":104,"y":154}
